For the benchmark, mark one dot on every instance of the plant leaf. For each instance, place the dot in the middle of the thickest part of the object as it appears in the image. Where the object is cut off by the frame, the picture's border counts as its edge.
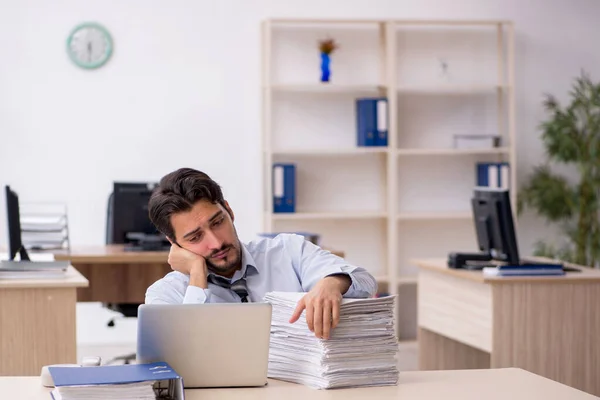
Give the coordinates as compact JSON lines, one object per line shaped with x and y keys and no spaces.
{"x":549,"y":195}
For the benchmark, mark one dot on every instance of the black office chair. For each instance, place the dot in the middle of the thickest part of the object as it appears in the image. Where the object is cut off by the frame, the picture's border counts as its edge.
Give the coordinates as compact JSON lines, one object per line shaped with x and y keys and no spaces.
{"x":127,"y":310}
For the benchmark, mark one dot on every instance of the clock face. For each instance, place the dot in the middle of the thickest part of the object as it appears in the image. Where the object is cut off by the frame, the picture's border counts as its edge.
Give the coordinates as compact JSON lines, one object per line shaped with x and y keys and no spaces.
{"x":89,"y":45}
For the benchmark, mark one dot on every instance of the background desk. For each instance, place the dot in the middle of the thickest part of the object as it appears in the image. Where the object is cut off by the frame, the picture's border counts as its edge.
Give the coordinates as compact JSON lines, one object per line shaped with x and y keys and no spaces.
{"x":116,"y":275}
{"x":503,"y":384}
{"x":37,"y":323}
{"x":546,"y":325}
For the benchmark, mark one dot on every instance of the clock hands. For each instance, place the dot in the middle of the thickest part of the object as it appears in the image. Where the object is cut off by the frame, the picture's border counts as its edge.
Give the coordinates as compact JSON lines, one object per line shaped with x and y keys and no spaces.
{"x":89,"y":49}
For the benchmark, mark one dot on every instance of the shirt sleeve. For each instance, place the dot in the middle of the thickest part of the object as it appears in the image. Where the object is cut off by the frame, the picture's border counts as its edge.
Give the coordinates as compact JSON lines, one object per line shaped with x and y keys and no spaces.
{"x":174,"y":289}
{"x":196,"y":295}
{"x":315,"y":263}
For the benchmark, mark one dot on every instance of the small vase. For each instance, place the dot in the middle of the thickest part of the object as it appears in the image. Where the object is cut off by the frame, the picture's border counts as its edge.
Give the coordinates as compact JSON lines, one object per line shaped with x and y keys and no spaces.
{"x":325,"y":72}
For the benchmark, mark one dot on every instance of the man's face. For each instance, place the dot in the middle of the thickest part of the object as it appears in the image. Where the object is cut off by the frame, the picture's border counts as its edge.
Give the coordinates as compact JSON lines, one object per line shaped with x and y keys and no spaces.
{"x":207,"y":230}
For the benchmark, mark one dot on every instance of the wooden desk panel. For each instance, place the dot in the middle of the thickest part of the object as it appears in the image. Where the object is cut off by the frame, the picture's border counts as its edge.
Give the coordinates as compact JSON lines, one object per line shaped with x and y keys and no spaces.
{"x":112,"y":254}
{"x":119,"y":282}
{"x":37,"y":324}
{"x":546,"y":325}
{"x":497,"y":384}
{"x":457,"y":308}
{"x":551,"y":330}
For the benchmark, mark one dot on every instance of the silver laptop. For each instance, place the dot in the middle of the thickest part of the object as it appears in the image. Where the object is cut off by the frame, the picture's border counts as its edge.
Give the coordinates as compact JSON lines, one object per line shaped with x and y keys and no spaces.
{"x":208,"y":345}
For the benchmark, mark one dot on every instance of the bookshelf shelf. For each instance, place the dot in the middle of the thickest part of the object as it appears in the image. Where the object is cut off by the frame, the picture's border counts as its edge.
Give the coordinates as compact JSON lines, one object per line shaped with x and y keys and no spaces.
{"x":328,"y":216}
{"x":330,"y":152}
{"x":451,"y":151}
{"x":326,"y":88}
{"x":452,"y":89}
{"x":441,"y":78}
{"x":408,"y":280}
{"x":434,"y":216}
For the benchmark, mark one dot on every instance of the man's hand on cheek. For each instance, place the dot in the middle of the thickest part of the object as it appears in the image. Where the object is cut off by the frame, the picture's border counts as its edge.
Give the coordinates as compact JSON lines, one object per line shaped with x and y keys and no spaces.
{"x":188,"y":263}
{"x":322,"y":305}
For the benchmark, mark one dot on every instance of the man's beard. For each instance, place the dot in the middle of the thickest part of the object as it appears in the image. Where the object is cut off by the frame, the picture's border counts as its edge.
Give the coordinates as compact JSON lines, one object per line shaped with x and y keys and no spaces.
{"x":230,"y":266}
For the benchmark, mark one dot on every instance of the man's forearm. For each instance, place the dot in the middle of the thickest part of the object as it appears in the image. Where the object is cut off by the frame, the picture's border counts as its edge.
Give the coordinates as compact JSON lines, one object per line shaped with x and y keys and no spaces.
{"x":342,"y":280}
{"x":198,"y":277}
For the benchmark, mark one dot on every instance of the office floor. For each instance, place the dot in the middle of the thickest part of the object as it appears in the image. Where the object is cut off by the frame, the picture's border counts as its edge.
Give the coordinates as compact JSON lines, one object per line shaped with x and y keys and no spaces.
{"x":95,"y":338}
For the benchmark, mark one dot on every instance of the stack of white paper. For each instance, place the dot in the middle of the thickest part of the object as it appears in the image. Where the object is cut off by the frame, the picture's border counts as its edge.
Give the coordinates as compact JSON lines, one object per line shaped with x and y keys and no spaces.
{"x":125,"y":391}
{"x":361,"y":350}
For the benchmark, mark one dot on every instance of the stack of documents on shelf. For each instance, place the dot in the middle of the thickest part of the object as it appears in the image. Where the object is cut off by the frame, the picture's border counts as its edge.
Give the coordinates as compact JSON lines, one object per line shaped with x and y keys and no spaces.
{"x":361,"y":350}
{"x":122,"y":382}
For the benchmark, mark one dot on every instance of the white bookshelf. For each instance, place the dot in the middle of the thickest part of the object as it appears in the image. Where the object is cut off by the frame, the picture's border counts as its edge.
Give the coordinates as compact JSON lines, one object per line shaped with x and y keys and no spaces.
{"x":451,"y":152}
{"x":349,"y":215}
{"x":384,"y":206}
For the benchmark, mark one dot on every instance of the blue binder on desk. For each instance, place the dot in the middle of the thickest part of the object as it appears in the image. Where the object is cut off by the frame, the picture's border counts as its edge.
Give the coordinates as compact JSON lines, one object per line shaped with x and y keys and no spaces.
{"x":284,"y":188}
{"x":112,"y":379}
{"x":372,"y":122}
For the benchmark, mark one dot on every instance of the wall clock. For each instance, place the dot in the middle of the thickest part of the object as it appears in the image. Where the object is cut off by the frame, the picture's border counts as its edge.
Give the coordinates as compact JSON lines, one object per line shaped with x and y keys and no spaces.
{"x":89,"y":45}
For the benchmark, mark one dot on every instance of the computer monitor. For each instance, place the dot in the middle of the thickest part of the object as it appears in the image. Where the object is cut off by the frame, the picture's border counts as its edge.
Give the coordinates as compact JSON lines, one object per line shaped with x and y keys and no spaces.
{"x":494,"y":226}
{"x":15,"y":244}
{"x":128,"y":218}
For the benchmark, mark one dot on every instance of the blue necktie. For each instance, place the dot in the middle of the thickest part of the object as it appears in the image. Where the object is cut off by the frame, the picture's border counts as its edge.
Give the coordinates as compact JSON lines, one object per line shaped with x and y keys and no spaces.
{"x":239,"y":286}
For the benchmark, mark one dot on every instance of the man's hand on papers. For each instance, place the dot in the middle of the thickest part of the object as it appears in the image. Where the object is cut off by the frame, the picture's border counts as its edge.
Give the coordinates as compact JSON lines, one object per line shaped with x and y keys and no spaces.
{"x":322,"y":305}
{"x":188,"y":263}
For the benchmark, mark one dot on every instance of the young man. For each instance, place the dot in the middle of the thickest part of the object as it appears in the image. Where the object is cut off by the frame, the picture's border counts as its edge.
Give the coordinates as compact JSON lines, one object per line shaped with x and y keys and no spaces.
{"x":211,"y":265}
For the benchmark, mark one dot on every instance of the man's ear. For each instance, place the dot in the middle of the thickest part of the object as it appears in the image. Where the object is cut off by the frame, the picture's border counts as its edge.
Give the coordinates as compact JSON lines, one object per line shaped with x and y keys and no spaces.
{"x":229,"y":211}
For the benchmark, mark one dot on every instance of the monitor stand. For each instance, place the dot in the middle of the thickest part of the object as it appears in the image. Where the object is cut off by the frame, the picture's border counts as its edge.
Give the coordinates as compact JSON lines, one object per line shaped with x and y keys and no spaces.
{"x":146,"y":242}
{"x":471,"y":261}
{"x":146,"y":246}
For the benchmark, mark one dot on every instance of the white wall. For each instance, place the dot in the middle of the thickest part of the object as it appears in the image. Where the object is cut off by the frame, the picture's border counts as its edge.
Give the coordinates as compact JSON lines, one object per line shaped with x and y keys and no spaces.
{"x":182,"y":89}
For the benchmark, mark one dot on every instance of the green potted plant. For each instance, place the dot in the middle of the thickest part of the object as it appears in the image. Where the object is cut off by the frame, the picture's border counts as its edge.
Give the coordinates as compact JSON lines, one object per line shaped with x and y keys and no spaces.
{"x":571,"y":137}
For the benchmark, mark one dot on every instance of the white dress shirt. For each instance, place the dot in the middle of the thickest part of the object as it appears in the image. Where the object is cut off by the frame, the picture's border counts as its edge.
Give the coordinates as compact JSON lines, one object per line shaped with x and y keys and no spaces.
{"x":286,"y":263}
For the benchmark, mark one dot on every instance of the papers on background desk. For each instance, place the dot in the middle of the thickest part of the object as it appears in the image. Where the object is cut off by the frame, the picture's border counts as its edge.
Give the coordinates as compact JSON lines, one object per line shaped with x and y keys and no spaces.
{"x":361,"y":351}
{"x":43,"y":257}
{"x":42,"y":266}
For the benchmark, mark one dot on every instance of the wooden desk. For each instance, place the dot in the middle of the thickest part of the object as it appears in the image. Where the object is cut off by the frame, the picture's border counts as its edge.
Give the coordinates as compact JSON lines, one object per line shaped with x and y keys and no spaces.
{"x":501,"y":384}
{"x":37,"y":323}
{"x":116,"y":275}
{"x":546,"y":325}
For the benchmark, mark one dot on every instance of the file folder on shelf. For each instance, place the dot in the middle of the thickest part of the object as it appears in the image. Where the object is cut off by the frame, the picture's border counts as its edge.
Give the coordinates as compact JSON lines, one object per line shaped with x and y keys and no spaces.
{"x":132,"y":381}
{"x":493,"y":175}
{"x":284,"y":188}
{"x":372,"y":121}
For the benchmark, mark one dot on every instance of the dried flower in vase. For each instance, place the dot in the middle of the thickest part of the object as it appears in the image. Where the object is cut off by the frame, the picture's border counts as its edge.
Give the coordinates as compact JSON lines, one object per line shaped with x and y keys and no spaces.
{"x":327,"y":46}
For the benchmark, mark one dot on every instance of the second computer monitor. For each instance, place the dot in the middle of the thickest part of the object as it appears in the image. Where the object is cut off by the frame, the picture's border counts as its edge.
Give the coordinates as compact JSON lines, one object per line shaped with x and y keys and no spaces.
{"x":494,"y":226}
{"x":128,"y":213}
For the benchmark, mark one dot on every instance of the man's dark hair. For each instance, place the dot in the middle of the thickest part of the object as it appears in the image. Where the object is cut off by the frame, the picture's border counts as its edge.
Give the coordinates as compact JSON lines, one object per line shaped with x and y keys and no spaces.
{"x":178,"y":192}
